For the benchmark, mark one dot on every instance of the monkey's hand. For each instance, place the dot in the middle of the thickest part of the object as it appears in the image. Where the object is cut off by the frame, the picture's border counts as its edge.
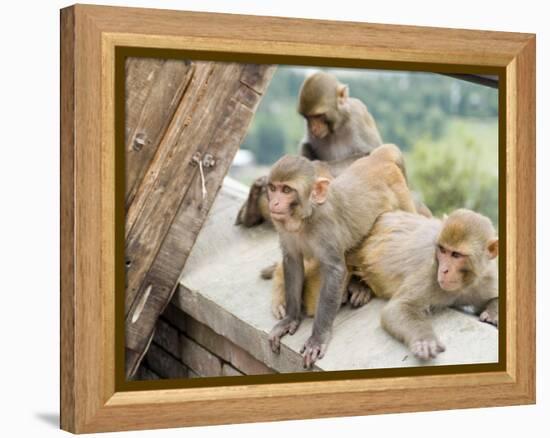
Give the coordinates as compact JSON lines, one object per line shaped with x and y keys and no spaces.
{"x":259,"y":183}
{"x":489,"y":316}
{"x":250,"y":213}
{"x":359,"y":292}
{"x":278,"y":309}
{"x":287,"y":325}
{"x":314,"y":348}
{"x":427,"y":348}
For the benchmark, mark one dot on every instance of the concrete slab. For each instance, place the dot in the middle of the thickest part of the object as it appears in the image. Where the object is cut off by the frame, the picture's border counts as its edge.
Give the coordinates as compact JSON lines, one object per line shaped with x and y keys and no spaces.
{"x":221,"y":287}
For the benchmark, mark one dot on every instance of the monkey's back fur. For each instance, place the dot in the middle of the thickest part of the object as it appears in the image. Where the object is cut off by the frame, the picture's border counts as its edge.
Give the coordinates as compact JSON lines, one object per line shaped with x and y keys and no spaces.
{"x":377,"y":181}
{"x":398,"y":244}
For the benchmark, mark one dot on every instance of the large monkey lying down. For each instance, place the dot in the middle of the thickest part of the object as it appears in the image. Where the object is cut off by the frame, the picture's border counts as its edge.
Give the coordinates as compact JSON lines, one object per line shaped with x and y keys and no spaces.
{"x":419,"y":264}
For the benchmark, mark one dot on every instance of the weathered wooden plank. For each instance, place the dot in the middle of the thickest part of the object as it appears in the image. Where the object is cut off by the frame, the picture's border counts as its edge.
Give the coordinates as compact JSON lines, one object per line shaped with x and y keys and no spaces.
{"x":182,"y":118}
{"x":167,"y":337}
{"x":173,"y":323}
{"x":192,"y":374}
{"x":175,"y":317}
{"x":257,"y":77}
{"x":164,"y":364}
{"x":145,"y":373}
{"x":222,"y":347}
{"x":199,"y":359}
{"x":140,"y":79}
{"x":228,"y":370}
{"x":164,"y":187}
{"x":178,"y":199}
{"x":154,"y":88}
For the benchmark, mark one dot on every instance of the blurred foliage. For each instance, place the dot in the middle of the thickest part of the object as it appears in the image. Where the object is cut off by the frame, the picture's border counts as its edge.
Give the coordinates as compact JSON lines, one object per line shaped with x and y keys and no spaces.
{"x":277,"y":115}
{"x":458,"y":170}
{"x":447,"y":127}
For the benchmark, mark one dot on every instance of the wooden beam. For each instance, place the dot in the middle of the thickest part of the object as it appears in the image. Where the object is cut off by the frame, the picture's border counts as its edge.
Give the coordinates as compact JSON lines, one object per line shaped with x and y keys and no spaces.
{"x":487,"y":80}
{"x":154,"y":88}
{"x":175,"y":194}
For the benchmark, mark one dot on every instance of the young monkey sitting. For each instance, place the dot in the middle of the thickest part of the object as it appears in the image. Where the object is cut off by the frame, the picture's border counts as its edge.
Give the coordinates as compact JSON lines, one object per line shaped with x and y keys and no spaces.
{"x":322,"y":218}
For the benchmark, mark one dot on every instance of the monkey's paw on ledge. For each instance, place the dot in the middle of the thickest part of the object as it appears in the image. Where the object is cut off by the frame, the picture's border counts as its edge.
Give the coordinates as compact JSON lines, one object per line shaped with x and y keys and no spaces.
{"x":221,"y":288}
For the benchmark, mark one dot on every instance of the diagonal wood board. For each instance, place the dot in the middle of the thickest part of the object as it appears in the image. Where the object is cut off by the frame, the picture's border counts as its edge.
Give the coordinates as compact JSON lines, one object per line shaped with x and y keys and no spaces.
{"x":177,"y":112}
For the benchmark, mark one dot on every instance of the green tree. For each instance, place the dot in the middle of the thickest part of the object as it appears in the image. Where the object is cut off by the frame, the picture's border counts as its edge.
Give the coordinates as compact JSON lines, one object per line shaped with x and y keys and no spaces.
{"x":271,"y":141}
{"x":457,"y":171}
{"x":447,"y":127}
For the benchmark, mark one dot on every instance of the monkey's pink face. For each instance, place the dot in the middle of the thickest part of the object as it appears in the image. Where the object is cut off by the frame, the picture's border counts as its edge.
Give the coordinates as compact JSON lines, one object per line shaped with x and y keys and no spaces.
{"x":283,"y":199}
{"x":317,"y":125}
{"x":452,"y":268}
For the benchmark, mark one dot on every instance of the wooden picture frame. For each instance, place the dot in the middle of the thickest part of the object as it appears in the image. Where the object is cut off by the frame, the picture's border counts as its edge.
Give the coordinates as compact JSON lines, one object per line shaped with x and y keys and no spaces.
{"x":92,"y":396}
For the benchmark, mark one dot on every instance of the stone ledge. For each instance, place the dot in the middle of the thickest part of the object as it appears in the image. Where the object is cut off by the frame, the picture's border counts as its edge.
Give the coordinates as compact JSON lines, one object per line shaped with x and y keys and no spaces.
{"x":221,"y":288}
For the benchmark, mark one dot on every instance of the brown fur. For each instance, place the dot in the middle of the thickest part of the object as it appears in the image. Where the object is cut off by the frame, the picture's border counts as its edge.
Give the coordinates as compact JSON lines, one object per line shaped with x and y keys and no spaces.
{"x":318,"y":94}
{"x":351,"y":128}
{"x":354,"y":134}
{"x":398,"y":261}
{"x":464,"y":232}
{"x":310,"y":294}
{"x":323,"y":221}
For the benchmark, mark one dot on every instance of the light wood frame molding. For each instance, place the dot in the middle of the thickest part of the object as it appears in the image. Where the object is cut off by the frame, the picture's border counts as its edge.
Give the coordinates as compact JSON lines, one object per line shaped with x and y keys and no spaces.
{"x":90,"y":401}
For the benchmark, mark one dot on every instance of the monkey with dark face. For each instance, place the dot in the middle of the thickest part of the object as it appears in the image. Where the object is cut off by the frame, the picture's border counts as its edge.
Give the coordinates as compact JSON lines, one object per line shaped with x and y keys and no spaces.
{"x":420,"y":264}
{"x":339,"y":129}
{"x":319,"y":218}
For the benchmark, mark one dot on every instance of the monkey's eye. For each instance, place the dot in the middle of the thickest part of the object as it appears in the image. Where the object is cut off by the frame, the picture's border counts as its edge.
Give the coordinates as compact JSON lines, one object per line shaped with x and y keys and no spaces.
{"x":441,"y":249}
{"x":320,"y":118}
{"x":271,"y":187}
{"x":287,"y":189}
{"x":456,"y":255}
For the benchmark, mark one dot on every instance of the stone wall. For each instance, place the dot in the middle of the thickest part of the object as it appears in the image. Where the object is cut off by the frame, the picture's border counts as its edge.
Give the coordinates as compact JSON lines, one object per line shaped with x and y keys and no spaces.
{"x":184,"y":348}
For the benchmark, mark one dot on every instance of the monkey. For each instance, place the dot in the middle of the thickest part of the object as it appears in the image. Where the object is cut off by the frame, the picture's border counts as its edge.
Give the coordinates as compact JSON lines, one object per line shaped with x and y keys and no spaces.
{"x":339,"y":129}
{"x":255,"y":210}
{"x":356,"y":289}
{"x":338,"y":126}
{"x":420,"y":264}
{"x":319,"y":218}
{"x":463,"y":272}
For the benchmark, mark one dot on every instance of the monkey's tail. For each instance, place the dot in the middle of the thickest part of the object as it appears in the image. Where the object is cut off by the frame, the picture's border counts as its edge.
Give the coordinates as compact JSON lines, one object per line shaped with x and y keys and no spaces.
{"x":267,"y":272}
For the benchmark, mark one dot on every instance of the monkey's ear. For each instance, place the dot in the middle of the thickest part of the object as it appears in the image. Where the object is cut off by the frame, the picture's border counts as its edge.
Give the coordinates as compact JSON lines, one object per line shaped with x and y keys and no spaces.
{"x":492,"y":247}
{"x":342,"y":93}
{"x":320,"y":190}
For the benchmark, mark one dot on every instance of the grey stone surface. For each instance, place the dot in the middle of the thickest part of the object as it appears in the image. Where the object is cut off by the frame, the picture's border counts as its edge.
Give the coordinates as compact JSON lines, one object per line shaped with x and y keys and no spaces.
{"x":221,"y":287}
